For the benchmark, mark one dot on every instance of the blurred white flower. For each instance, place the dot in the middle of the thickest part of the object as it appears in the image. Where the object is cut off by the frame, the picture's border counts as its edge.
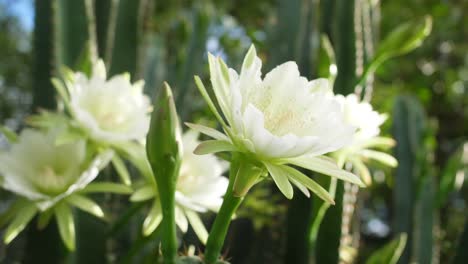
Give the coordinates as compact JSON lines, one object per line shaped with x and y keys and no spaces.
{"x":368,"y":122}
{"x":44,"y":173}
{"x":200,"y":188}
{"x":362,"y":116}
{"x":278,"y":120}
{"x":110,"y":110}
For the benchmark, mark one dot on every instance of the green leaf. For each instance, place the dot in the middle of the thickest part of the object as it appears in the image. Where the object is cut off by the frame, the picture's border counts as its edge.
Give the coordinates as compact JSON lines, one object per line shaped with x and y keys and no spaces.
{"x":9,"y":134}
{"x":325,"y":166}
{"x":106,"y":187}
{"x":85,"y":204}
{"x":144,"y":193}
{"x":208,"y":131}
{"x":280,"y":176}
{"x":405,"y":38}
{"x":21,"y":219}
{"x":390,"y":253}
{"x":327,"y":66}
{"x":121,"y":169}
{"x":213,"y":146}
{"x":153,"y":219}
{"x":197,"y":225}
{"x":453,"y":174}
{"x":309,"y":183}
{"x":66,"y":225}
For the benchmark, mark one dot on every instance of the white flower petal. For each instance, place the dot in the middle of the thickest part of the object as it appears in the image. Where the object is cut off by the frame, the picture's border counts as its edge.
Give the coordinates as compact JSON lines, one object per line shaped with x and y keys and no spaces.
{"x":181,"y":219}
{"x":110,"y":110}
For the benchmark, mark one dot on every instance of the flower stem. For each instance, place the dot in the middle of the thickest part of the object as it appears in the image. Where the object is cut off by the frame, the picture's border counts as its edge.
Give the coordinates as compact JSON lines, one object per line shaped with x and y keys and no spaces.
{"x":223,"y":219}
{"x":169,"y":235}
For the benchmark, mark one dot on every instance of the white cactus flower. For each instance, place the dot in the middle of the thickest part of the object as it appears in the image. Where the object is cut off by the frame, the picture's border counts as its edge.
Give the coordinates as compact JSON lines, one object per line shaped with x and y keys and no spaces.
{"x":362,"y":116}
{"x":200,"y":188}
{"x":111,"y":110}
{"x":368,"y":122}
{"x":44,"y":173}
{"x":275,"y":121}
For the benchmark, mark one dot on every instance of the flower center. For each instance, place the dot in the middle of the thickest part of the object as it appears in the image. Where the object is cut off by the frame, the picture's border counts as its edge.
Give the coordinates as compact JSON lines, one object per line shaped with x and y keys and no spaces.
{"x":51,"y":181}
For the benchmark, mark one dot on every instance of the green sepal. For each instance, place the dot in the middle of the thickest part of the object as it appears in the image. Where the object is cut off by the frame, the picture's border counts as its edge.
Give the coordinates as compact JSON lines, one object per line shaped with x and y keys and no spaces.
{"x":21,"y":218}
{"x":12,"y":210}
{"x":213,"y":146}
{"x":44,"y":218}
{"x":85,"y":204}
{"x":246,"y":177}
{"x":280,"y":177}
{"x":152,"y":220}
{"x":106,"y":187}
{"x":66,"y":224}
{"x":121,"y":169}
{"x":142,"y":194}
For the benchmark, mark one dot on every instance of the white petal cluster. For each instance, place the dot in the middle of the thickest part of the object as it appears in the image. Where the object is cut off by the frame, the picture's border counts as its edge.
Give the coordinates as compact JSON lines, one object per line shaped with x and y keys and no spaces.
{"x":110,"y":110}
{"x":367,"y":136}
{"x":39,"y":170}
{"x":200,"y":186}
{"x":276,"y":121}
{"x":282,"y":115}
{"x":362,"y":116}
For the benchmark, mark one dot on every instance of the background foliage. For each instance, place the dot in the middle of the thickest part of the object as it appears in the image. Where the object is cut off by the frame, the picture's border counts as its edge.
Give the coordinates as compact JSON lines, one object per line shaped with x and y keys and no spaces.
{"x":425,"y":92}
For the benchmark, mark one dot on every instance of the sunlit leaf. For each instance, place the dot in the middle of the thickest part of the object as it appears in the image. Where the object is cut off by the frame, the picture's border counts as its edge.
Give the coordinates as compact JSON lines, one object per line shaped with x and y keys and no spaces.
{"x":405,"y":38}
{"x":390,"y":253}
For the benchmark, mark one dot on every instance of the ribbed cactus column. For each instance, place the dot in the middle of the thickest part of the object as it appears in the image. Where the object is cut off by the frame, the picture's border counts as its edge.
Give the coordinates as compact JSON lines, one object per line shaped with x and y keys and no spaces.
{"x":407,"y":131}
{"x":43,"y":97}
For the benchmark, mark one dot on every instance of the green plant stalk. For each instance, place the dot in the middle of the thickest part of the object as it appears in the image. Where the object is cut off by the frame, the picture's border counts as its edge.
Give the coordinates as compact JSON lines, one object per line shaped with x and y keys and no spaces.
{"x":313,"y":231}
{"x":223,"y":219}
{"x":169,"y":235}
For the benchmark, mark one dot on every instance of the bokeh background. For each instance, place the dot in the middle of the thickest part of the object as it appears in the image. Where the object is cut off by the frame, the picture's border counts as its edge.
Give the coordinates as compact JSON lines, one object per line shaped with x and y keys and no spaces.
{"x":425,"y":93}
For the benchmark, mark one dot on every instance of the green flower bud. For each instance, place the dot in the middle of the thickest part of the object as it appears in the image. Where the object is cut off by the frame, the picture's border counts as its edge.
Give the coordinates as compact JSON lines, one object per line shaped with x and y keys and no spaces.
{"x":164,"y":151}
{"x":163,"y":142}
